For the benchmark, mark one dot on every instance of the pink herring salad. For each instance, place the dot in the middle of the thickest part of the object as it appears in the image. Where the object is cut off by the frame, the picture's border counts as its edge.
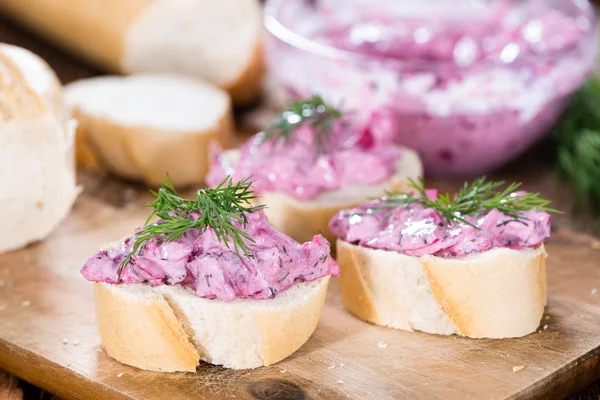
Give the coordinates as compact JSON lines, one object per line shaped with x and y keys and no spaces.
{"x":417,"y":231}
{"x":298,"y":168}
{"x":211,"y":270}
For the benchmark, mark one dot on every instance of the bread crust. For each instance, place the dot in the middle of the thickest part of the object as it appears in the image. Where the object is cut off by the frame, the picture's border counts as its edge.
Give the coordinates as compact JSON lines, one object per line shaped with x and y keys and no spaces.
{"x":143,"y":332}
{"x":180,"y":328}
{"x":145,"y":153}
{"x":18,"y":99}
{"x":500,"y":293}
{"x":93,"y":29}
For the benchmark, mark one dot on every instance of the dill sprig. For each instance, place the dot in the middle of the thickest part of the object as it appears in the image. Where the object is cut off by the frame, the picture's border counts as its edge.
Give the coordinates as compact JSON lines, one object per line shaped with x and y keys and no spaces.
{"x":218,"y":209}
{"x":577,"y":139}
{"x":313,"y":111}
{"x":475,"y":198}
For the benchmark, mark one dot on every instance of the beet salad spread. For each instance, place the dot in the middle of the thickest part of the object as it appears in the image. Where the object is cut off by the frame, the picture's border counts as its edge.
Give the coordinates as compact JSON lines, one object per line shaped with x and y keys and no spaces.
{"x":212,"y":270}
{"x":300,"y":169}
{"x":418,"y":231}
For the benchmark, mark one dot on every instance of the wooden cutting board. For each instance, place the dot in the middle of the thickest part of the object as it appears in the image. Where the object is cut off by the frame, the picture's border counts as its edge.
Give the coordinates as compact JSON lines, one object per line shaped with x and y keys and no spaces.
{"x":48,"y":335}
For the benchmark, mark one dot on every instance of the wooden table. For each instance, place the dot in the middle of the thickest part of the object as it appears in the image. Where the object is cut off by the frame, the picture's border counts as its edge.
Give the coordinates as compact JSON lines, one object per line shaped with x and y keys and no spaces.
{"x":531,"y":170}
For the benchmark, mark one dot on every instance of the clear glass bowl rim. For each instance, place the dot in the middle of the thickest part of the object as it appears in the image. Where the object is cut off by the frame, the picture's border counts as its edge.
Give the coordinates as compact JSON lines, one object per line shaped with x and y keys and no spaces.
{"x":279,"y":31}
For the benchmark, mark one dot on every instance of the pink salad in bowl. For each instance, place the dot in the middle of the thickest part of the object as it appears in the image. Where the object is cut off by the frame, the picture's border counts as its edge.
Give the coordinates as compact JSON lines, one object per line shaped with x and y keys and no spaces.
{"x":469,"y":84}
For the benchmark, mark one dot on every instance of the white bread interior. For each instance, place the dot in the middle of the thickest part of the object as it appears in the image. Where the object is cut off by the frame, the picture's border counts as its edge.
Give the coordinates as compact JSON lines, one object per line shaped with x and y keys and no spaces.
{"x":302,"y":219}
{"x":219,"y":41}
{"x":36,"y":150}
{"x":500,"y":293}
{"x":142,"y":126}
{"x":169,"y":328}
{"x":214,"y":40}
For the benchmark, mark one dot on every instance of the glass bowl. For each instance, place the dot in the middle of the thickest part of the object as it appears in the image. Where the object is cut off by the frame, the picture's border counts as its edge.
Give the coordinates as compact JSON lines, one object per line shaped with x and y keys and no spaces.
{"x":469,"y":84}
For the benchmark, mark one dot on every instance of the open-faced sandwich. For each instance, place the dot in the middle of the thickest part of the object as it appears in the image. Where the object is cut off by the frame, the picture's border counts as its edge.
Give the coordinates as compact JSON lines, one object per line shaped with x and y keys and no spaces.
{"x":312,"y":161}
{"x":473,"y":264}
{"x":209,"y":280}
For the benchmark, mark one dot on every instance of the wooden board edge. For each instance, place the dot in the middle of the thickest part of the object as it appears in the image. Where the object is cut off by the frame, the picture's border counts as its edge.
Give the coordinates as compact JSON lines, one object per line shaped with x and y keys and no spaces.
{"x":61,"y":381}
{"x":565,"y":381}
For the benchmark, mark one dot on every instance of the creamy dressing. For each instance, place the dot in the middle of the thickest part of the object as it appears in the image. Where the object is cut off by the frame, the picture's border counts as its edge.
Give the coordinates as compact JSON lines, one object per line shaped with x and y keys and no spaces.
{"x":202,"y":263}
{"x":353,"y":156}
{"x":418,"y":231}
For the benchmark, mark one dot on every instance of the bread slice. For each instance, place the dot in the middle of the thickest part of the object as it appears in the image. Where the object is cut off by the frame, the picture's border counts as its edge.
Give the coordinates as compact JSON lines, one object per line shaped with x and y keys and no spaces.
{"x":36,"y":157}
{"x":500,"y":293}
{"x":302,"y":219}
{"x":219,"y":41}
{"x":142,"y":126}
{"x":215,"y":40}
{"x":169,"y":328}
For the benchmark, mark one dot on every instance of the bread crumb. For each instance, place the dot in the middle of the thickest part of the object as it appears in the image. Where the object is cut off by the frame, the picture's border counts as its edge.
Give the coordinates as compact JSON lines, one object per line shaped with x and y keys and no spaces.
{"x":332,"y":366}
{"x":99,"y":349}
{"x":545,"y":327}
{"x":26,"y":303}
{"x":382,"y":345}
{"x":119,"y":375}
{"x":594,"y":292}
{"x":342,"y":364}
{"x":76,"y":342}
{"x":340,"y":381}
{"x":518,"y":368}
{"x":283,"y":371}
{"x":65,"y":341}
{"x":547,"y":317}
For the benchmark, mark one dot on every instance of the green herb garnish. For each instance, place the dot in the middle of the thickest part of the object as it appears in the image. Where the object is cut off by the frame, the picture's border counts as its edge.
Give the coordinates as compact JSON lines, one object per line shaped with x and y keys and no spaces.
{"x":577,"y":137}
{"x":216,"y":209}
{"x":475,"y":198}
{"x":313,"y":111}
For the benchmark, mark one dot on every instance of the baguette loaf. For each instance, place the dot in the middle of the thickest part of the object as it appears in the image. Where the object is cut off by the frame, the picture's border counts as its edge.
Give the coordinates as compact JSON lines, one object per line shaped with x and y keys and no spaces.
{"x":303,"y":219}
{"x":500,"y":293}
{"x":36,"y":157}
{"x":141,"y":126}
{"x":214,"y":40}
{"x":168,"y":328}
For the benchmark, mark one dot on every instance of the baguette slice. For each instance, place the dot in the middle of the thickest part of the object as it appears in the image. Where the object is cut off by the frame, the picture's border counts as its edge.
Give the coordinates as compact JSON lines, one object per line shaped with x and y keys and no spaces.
{"x":36,"y":156}
{"x":219,"y":41}
{"x":141,"y":126}
{"x":168,"y":328}
{"x":500,"y":293}
{"x":302,"y":219}
{"x":214,"y":40}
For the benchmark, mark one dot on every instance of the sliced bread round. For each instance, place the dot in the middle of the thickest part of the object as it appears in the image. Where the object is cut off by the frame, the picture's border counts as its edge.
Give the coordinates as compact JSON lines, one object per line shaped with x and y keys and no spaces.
{"x":215,"y":40}
{"x":142,"y":126}
{"x":169,"y":328}
{"x":500,"y":293}
{"x":302,"y":219}
{"x":36,"y":157}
